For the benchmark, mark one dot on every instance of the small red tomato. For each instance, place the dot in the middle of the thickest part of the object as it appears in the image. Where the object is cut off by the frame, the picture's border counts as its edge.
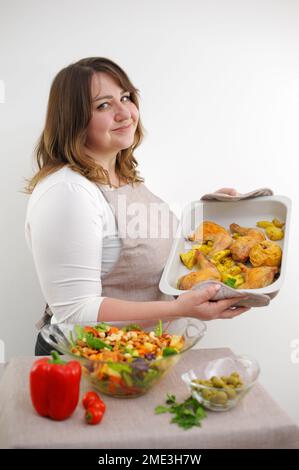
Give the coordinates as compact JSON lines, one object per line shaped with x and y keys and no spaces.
{"x":98,"y":404}
{"x":89,"y":398}
{"x":93,"y":415}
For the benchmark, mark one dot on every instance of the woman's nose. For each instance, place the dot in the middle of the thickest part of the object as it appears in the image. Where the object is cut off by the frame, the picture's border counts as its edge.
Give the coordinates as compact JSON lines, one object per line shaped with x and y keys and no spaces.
{"x":122,"y":113}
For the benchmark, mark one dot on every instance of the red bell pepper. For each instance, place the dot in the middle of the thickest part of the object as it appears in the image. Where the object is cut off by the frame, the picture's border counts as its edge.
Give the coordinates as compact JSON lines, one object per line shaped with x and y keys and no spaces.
{"x":54,"y":386}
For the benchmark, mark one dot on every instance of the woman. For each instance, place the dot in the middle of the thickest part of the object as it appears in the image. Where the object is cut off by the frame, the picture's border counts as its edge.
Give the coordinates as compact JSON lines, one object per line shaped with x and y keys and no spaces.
{"x":94,"y":260}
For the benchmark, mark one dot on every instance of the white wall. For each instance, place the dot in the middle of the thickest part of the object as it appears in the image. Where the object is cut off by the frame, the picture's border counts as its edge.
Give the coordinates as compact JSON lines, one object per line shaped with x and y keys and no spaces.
{"x":219,"y":86}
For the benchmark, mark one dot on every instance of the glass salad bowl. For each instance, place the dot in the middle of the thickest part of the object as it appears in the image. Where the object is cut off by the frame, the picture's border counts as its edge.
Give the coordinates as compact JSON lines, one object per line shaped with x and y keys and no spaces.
{"x":125,"y":358}
{"x":221,"y":384}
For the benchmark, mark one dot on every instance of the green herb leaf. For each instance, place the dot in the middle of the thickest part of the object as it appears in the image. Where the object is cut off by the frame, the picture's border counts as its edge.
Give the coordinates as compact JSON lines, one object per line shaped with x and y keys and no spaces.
{"x":230,"y":282}
{"x":169,"y":352}
{"x":161,"y":409}
{"x":127,"y":378}
{"x":79,"y":331}
{"x":120,"y":367}
{"x":170,"y":399}
{"x":131,"y":327}
{"x":200,"y":412}
{"x":186,"y":414}
{"x":72,"y":341}
{"x":96,"y":343}
{"x":102,"y":326}
{"x":159,"y":329}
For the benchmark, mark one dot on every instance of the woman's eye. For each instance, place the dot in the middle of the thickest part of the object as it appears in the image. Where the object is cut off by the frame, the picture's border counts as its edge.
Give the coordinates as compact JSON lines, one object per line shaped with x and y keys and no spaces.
{"x":127,"y":98}
{"x":101,"y":106}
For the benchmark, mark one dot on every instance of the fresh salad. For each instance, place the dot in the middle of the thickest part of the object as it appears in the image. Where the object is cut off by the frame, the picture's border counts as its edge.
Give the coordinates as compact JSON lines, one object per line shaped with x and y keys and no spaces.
{"x":125,"y":361}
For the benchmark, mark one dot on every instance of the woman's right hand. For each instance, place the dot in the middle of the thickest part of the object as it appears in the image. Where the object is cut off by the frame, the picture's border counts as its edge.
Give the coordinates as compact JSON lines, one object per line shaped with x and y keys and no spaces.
{"x":198,"y":304}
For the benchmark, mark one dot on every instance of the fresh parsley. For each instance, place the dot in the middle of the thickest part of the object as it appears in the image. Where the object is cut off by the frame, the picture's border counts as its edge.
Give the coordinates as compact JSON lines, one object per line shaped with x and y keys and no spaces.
{"x":186,"y":414}
{"x":230,"y":282}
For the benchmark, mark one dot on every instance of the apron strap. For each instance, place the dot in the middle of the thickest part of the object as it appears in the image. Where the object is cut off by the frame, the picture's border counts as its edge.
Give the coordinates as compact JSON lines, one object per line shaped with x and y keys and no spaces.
{"x":46,"y":318}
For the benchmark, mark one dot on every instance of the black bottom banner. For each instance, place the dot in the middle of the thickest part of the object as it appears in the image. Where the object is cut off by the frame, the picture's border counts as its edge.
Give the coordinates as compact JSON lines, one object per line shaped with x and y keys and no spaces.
{"x":134,"y":458}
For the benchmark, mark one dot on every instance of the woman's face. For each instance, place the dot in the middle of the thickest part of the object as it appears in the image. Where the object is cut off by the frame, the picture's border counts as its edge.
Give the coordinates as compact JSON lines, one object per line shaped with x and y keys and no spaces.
{"x":114,"y":117}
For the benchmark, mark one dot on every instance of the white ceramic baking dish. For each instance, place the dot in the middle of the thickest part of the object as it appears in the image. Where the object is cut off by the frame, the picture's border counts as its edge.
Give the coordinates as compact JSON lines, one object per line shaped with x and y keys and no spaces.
{"x":244,"y":212}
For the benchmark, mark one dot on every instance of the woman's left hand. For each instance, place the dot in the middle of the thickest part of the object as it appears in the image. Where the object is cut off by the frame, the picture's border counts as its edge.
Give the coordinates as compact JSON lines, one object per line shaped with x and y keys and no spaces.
{"x":228,"y":191}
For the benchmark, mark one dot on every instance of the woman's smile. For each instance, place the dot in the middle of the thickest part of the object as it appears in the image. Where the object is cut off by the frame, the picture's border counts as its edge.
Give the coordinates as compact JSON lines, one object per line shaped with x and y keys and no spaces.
{"x":123,"y":129}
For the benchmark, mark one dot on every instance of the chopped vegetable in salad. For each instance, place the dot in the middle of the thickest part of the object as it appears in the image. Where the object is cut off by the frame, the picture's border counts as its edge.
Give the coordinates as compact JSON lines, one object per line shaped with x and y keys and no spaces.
{"x":125,"y":361}
{"x":104,"y":342}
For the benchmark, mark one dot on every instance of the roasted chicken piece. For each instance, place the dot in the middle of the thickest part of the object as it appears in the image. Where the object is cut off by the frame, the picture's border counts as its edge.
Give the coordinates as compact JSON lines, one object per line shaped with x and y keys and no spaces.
{"x":255,"y":278}
{"x":248,"y":238}
{"x":265,"y":253}
{"x":209,"y":231}
{"x":206,"y":270}
{"x":243,"y":231}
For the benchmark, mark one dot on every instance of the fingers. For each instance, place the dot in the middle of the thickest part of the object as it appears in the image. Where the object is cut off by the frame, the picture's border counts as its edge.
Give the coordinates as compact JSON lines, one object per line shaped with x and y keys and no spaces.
{"x":231,"y":313}
{"x":209,"y":310}
{"x":227,"y":303}
{"x":229,"y":191}
{"x":207,"y":294}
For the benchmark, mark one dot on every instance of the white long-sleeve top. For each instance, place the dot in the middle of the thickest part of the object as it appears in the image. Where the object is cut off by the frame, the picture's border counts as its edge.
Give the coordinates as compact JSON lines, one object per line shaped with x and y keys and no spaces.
{"x":70,"y":230}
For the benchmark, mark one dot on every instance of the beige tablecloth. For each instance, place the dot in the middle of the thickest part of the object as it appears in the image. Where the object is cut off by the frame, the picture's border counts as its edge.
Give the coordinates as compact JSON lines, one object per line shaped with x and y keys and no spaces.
{"x":257,"y":422}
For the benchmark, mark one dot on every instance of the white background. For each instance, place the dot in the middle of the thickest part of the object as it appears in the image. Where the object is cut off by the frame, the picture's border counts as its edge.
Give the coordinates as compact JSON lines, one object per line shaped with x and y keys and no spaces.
{"x":220,"y":103}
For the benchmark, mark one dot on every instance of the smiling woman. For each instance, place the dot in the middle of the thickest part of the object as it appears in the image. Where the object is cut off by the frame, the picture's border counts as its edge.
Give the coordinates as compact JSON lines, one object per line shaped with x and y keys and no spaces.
{"x":113,"y":123}
{"x":78,"y":119}
{"x":93,"y":264}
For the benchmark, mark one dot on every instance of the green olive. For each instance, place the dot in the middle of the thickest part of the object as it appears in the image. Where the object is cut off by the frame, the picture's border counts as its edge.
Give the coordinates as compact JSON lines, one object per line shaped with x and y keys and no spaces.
{"x":217,"y":382}
{"x":233,"y":380}
{"x":224,"y":378}
{"x":235,"y":374}
{"x":220,"y":389}
{"x":231,"y":394}
{"x":208,"y":383}
{"x":206,"y":394}
{"x":219,"y":398}
{"x":198,"y":381}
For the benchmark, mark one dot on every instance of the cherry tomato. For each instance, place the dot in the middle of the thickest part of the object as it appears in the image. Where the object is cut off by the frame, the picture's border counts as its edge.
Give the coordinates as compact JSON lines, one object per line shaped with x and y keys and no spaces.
{"x":93,"y":415}
{"x":89,"y":398}
{"x":98,"y":404}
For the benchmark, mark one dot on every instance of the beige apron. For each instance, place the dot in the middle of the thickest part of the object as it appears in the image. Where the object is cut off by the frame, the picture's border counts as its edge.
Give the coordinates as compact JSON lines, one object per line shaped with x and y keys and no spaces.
{"x":146,"y":228}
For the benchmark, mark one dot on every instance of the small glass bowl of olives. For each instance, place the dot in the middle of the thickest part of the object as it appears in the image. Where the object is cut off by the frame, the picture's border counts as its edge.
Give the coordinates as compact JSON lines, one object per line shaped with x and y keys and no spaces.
{"x":219,"y":385}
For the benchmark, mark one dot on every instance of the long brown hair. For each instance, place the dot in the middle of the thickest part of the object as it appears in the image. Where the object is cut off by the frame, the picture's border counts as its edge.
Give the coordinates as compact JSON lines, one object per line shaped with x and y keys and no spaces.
{"x":68,"y":114}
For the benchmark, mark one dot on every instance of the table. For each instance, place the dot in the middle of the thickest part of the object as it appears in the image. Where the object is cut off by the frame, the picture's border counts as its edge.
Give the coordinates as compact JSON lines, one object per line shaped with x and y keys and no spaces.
{"x":257,"y":422}
{"x":2,"y":368}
